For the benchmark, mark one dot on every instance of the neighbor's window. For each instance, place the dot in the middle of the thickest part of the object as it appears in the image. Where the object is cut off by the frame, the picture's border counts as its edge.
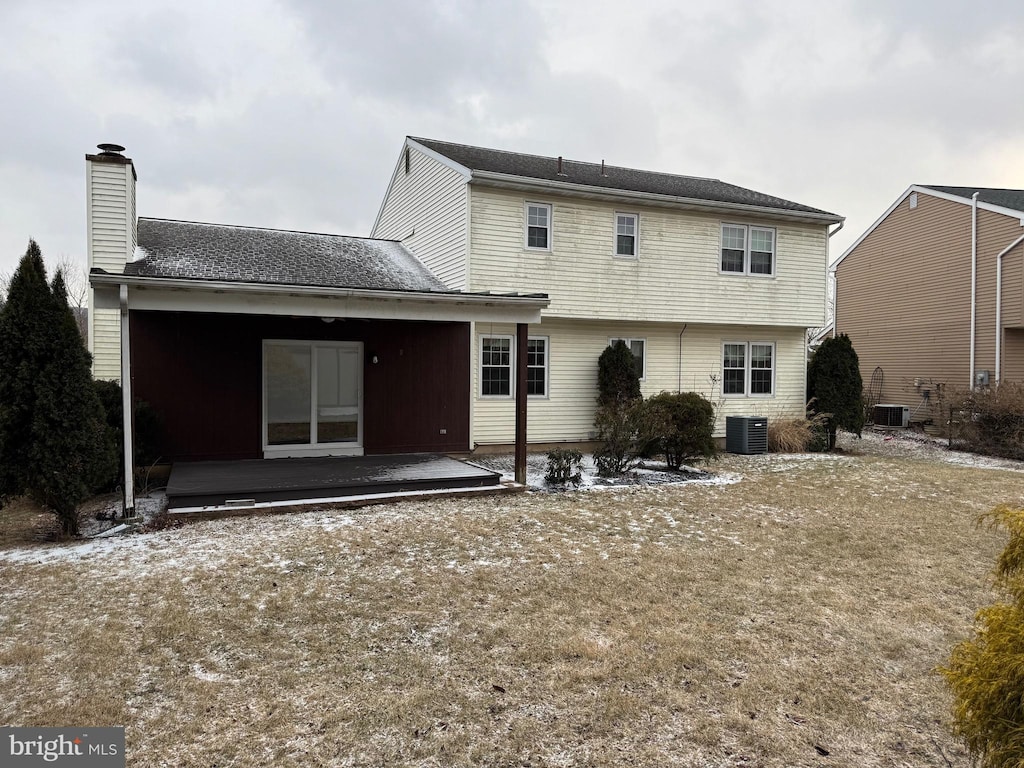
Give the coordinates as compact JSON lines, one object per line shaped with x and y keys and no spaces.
{"x":625,"y":234}
{"x":538,"y":226}
{"x":639,"y":349}
{"x":748,"y":250}
{"x":496,"y":366}
{"x":748,"y":368}
{"x":537,"y":366}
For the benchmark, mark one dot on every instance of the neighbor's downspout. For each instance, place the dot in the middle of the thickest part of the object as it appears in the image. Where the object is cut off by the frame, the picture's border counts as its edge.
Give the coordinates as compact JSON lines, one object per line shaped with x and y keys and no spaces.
{"x":835,"y":278}
{"x":679,"y":379}
{"x":999,"y":302}
{"x":126,"y":410}
{"x":974,"y":277}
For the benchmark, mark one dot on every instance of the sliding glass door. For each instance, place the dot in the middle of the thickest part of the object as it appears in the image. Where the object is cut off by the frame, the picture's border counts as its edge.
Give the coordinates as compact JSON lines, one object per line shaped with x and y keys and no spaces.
{"x":312,"y":398}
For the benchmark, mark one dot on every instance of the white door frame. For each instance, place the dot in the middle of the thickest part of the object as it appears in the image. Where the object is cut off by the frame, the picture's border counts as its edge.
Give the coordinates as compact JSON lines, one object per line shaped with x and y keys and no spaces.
{"x":313,"y":448}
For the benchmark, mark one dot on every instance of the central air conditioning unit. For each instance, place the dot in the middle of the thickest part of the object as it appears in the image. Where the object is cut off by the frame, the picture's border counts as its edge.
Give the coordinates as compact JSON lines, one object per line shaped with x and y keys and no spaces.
{"x":746,"y":434}
{"x":892,"y":416}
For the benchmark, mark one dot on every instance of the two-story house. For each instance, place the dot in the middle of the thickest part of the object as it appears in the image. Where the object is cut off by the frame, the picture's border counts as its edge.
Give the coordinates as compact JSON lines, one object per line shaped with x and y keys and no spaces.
{"x":932,"y":297}
{"x":712,"y":286}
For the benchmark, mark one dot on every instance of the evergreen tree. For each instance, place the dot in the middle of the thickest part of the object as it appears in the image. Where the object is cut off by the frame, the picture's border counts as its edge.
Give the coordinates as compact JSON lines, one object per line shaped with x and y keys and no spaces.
{"x":835,"y":385}
{"x":51,"y":422}
{"x":23,"y":326}
{"x":618,"y":382}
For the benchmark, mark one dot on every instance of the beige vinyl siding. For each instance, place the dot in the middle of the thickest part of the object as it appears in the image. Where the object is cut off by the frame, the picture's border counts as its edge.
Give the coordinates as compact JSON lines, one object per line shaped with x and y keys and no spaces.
{"x":675,"y":277}
{"x":113,"y":235}
{"x":904,"y":298}
{"x":426,"y":210}
{"x":567,"y":414}
{"x":1013,"y":354}
{"x":1013,"y":287}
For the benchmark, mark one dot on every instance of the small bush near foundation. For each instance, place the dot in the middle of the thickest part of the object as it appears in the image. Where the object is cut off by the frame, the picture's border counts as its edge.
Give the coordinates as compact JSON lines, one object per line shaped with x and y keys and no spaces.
{"x":565,"y":465}
{"x":986,"y":673}
{"x":789,"y":435}
{"x":617,"y":430}
{"x":991,"y":421}
{"x":678,"y":426}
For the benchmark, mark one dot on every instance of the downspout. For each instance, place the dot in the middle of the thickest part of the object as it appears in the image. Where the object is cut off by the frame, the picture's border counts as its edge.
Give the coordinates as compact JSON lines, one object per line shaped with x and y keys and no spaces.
{"x":126,"y":411}
{"x":835,"y":280}
{"x":974,"y":278}
{"x":679,"y":377}
{"x":999,"y":302}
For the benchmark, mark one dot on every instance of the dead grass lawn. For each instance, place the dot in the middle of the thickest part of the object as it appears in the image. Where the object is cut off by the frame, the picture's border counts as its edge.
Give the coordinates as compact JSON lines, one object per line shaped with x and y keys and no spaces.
{"x":800,"y":610}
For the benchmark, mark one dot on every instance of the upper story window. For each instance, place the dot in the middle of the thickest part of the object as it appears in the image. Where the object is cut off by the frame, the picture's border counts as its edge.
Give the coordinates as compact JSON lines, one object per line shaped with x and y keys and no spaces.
{"x":538,"y":226}
{"x":639,"y":349}
{"x":748,"y":250}
{"x":626,"y":226}
{"x":748,"y":368}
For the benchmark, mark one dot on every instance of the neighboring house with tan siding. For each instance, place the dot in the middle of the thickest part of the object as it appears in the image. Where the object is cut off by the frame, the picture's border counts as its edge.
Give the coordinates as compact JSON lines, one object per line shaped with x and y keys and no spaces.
{"x":917,"y":295}
{"x":713,"y":286}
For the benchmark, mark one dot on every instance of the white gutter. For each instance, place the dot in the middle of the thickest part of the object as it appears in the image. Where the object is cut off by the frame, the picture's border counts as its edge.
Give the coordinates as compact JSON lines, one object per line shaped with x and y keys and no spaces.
{"x":568,"y":188}
{"x":999,"y":302}
{"x":128,"y":425}
{"x":832,"y":271}
{"x":974,"y":278}
{"x":539,"y":300}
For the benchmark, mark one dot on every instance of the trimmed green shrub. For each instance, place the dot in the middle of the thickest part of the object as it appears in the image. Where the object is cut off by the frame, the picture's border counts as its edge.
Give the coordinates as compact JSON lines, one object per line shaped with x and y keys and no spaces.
{"x":617,"y":377}
{"x":565,"y":465}
{"x":986,"y":673}
{"x":835,"y":384}
{"x":678,"y":426}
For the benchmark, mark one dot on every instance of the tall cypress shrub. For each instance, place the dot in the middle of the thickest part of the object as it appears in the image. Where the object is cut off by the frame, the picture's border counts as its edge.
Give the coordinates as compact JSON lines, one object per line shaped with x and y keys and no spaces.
{"x":23,"y":328}
{"x":52,"y":434}
{"x":835,"y":385}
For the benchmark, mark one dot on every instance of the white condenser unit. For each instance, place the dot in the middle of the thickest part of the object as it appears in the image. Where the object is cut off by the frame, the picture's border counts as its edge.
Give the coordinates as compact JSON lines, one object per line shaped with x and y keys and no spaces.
{"x":892,"y":415}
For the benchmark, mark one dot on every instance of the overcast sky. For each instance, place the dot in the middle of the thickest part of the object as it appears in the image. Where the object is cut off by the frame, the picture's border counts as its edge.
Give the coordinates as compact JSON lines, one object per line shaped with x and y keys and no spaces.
{"x":291,"y":113}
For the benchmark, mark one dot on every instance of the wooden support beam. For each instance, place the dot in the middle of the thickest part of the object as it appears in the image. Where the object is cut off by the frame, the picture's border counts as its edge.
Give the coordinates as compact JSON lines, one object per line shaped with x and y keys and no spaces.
{"x":522,"y":339}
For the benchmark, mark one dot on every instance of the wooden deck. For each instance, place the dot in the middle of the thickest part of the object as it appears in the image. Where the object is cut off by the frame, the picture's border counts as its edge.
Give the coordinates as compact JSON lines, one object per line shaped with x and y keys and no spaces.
{"x":224,"y":484}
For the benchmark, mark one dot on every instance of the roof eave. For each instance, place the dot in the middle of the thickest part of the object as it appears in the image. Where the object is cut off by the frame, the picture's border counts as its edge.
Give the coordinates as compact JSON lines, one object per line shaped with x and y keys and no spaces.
{"x":525,"y":183}
{"x":100,"y":278}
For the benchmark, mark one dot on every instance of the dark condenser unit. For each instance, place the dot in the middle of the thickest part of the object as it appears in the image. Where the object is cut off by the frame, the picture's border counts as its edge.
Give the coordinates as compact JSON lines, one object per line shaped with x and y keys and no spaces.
{"x":746,"y":434}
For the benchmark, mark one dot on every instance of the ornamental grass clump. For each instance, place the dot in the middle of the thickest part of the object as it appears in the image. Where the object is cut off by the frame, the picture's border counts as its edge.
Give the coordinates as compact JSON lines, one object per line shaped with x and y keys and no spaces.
{"x":986,"y":673}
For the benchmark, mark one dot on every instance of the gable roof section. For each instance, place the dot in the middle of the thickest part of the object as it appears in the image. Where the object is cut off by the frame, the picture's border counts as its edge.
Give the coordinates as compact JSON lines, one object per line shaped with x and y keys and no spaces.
{"x":186,"y":250}
{"x":1008,"y":202}
{"x":492,"y":164}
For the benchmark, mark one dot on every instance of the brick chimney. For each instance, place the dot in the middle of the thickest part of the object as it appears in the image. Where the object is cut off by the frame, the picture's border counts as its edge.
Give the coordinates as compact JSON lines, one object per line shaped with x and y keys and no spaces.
{"x":112,"y":234}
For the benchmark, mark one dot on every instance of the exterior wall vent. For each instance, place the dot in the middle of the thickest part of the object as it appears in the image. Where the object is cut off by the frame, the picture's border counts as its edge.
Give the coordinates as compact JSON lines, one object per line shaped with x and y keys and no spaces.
{"x":892,"y":415}
{"x":746,"y":434}
{"x":913,"y":200}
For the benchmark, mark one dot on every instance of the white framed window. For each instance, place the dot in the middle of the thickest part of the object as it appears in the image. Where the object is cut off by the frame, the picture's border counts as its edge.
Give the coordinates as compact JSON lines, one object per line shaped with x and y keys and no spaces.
{"x":537,"y":366}
{"x":748,"y":369}
{"x":639,"y":349}
{"x":747,"y":250}
{"x":538,"y":226}
{"x":497,"y":366}
{"x":627,"y":230}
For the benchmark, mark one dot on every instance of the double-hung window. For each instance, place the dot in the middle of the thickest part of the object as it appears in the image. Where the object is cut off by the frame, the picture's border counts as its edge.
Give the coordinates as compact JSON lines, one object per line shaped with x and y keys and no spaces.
{"x":747,"y":250}
{"x":497,"y":366}
{"x":748,"y":368}
{"x":626,"y":226}
{"x":639,"y":349}
{"x":538,"y":226}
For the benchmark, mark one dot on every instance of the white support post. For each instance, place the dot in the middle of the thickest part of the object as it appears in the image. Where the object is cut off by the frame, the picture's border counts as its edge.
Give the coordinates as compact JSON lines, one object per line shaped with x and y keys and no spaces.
{"x":127,"y":411}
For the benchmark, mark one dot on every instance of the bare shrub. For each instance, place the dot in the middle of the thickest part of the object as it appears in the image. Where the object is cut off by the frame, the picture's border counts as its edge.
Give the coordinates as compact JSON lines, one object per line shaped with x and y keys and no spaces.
{"x":990,"y":421}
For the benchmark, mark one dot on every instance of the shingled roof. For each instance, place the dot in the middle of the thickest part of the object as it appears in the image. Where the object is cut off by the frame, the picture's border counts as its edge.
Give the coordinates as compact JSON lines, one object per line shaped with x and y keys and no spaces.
{"x":193,"y":251}
{"x":1004,"y":198}
{"x":611,"y":177}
